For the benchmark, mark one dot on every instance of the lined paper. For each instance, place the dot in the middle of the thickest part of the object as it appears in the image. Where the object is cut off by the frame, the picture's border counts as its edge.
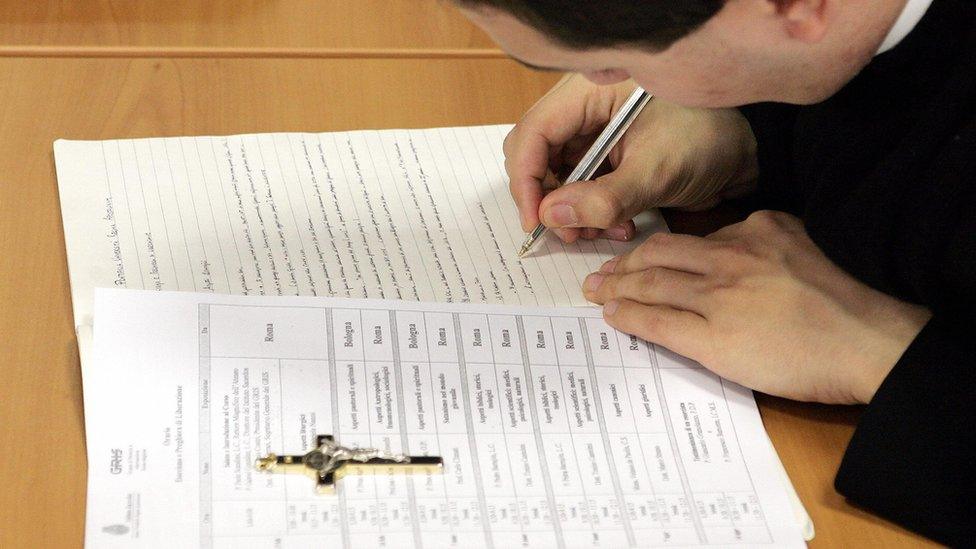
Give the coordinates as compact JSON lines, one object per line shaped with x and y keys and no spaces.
{"x":421,"y":215}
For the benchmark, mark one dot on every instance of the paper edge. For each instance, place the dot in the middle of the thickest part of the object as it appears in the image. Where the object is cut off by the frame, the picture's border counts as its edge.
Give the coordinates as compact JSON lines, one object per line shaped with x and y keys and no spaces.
{"x":799,"y":510}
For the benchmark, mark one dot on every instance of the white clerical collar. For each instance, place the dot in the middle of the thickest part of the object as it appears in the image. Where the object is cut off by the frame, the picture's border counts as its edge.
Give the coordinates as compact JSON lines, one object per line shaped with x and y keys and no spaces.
{"x":910,"y":16}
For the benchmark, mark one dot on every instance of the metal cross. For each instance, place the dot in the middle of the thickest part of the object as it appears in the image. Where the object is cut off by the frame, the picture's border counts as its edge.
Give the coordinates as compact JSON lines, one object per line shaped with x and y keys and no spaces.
{"x":329,"y":462}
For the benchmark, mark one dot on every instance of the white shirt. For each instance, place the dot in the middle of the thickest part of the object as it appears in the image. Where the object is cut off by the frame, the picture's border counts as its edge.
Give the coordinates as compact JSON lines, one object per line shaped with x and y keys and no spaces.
{"x":910,"y":16}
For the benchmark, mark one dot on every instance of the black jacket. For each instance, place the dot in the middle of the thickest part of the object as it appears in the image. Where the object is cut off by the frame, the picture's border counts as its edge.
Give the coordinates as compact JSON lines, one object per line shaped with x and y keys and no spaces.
{"x":883,"y":175}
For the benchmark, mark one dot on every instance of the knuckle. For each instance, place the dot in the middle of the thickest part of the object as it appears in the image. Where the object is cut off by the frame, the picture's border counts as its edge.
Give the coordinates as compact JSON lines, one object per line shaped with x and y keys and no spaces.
{"x":670,"y":191}
{"x":659,"y":239}
{"x":605,"y":207}
{"x":656,"y":284}
{"x":759,"y":219}
{"x":766,"y":220}
{"x":508,"y":168}
{"x":652,"y":246}
{"x":720,"y":284}
{"x":513,"y":189}
{"x":788,"y":221}
{"x":611,"y":286}
{"x":741,"y":248}
{"x":509,"y":142}
{"x":649,"y":278}
{"x":627,"y":262}
{"x":736,"y":255}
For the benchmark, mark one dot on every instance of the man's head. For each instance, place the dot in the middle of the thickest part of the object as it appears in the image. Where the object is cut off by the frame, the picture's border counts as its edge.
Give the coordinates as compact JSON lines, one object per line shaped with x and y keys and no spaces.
{"x":653,"y":25}
{"x":696,"y":52}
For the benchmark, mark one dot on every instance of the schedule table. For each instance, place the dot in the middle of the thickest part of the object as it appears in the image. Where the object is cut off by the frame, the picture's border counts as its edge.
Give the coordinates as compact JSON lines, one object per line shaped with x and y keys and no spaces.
{"x":556,"y":430}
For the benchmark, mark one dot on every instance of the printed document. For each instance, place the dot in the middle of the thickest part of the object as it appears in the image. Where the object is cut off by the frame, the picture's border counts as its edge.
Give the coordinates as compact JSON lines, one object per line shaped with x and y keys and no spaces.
{"x":555,"y":430}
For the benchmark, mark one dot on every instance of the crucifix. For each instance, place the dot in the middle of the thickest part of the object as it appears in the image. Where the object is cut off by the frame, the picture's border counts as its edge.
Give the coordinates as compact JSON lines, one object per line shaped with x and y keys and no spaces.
{"x":329,"y":462}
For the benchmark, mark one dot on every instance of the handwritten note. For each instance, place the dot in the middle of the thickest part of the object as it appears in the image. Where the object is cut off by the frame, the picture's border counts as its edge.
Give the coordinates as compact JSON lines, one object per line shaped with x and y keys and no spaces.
{"x":421,"y":215}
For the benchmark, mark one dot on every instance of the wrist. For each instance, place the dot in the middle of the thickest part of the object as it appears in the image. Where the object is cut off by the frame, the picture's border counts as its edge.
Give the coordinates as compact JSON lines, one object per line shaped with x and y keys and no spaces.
{"x":897,"y":332}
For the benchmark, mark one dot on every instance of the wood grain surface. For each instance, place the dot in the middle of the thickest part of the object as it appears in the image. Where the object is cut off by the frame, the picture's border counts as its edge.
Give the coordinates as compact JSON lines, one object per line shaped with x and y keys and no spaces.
{"x":63,"y":25}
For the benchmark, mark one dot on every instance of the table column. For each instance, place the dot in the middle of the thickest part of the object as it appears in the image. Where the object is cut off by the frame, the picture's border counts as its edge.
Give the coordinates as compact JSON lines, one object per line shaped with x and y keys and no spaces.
{"x":267,"y":392}
{"x":571,"y":484}
{"x":463,"y":505}
{"x":420,"y":429}
{"x":718,"y":481}
{"x":595,"y":454}
{"x":391,"y":513}
{"x":655,"y":499}
{"x":519,"y":509}
{"x":358,"y":496}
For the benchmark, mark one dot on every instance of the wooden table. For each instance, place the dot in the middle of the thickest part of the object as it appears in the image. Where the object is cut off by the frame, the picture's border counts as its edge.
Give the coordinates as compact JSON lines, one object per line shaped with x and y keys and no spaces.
{"x":280,"y":26}
{"x":43,"y":473}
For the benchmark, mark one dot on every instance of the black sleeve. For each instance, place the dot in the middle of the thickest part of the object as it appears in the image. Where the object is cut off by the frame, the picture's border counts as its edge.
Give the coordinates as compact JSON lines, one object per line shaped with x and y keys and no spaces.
{"x":772,"y":124}
{"x":911,"y":459}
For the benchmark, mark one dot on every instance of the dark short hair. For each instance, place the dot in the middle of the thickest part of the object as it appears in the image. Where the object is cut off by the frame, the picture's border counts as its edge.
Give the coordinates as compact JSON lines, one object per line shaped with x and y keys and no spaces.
{"x":587,"y":24}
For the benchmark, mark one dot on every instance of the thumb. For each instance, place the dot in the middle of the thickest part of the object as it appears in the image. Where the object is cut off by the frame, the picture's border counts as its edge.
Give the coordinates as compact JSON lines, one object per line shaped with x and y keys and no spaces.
{"x":602,"y":203}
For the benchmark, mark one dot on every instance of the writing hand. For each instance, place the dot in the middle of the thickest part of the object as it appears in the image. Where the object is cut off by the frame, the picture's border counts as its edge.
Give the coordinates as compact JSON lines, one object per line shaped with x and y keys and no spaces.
{"x":671,"y":156}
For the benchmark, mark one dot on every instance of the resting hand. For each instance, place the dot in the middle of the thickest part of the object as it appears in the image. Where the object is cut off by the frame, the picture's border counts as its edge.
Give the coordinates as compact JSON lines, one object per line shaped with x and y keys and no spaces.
{"x":759,"y":304}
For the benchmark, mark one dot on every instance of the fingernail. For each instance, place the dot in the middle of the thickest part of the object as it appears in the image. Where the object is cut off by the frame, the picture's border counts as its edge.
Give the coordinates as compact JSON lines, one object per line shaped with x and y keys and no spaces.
{"x":562,"y":215}
{"x":609,"y":266}
{"x":610,"y":308}
{"x":593,"y":281}
{"x":618,"y":233}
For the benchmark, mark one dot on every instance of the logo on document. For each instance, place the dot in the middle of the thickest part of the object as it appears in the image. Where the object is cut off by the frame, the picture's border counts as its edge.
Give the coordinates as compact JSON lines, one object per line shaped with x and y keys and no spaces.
{"x":115,"y":465}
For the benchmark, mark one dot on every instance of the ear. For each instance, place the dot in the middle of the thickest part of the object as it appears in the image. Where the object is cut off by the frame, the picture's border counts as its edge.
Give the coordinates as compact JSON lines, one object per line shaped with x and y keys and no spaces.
{"x":806,"y":20}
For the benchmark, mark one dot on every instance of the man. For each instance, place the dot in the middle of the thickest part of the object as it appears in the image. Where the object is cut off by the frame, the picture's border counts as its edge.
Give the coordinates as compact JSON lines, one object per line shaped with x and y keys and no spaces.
{"x":860,"y":285}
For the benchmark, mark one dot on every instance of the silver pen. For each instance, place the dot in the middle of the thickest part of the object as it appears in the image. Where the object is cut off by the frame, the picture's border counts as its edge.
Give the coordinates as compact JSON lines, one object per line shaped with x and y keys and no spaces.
{"x":598,"y":152}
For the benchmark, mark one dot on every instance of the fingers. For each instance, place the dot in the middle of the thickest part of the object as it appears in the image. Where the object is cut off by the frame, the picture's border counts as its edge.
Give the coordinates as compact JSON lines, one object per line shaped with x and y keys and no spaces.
{"x":570,"y":110}
{"x":683,"y":332}
{"x":623,"y":233}
{"x":528,"y":171}
{"x":603,"y":203}
{"x":654,"y":286}
{"x":680,"y":252}
{"x":568,"y":235}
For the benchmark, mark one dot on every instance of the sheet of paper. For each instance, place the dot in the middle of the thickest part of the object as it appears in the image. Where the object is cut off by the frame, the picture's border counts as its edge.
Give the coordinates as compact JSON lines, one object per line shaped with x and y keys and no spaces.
{"x":556,"y":431}
{"x":394,"y":214}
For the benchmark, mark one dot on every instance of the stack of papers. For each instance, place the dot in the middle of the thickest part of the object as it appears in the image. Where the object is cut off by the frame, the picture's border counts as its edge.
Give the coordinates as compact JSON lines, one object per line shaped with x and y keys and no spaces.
{"x":428,"y":336}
